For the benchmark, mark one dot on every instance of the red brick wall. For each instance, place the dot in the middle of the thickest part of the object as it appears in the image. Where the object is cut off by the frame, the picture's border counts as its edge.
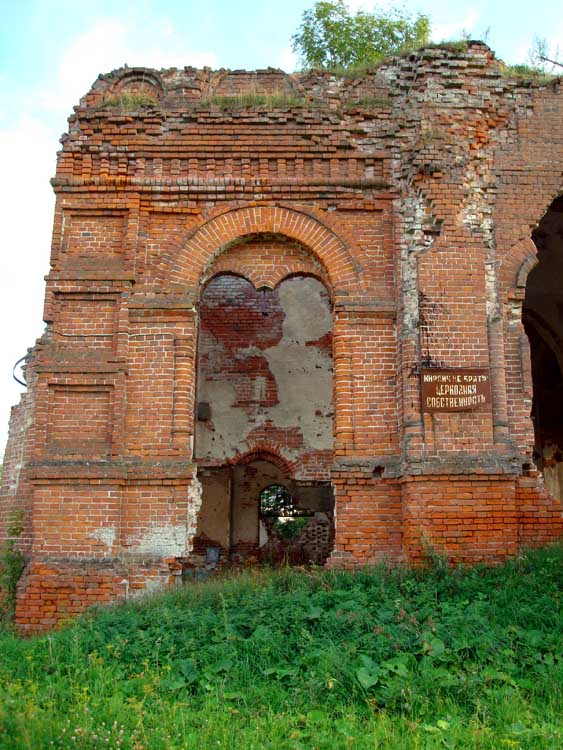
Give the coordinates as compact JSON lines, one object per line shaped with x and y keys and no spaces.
{"x":410,"y":193}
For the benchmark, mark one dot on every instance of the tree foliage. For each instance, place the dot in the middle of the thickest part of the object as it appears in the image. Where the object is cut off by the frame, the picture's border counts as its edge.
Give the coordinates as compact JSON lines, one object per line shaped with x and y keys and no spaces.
{"x":330,"y":36}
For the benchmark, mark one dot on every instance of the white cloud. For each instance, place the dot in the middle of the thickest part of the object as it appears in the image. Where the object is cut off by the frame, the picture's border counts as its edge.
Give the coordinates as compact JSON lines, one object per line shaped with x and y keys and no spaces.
{"x":28,"y":146}
{"x":455,"y":29}
{"x":112,"y":43}
{"x":367,"y":5}
{"x":287,"y":60}
{"x":27,"y":155}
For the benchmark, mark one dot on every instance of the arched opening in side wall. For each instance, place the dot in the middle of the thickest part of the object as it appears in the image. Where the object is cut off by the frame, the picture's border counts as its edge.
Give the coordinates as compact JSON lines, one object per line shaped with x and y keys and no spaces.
{"x":265,"y":419}
{"x":542,"y":316}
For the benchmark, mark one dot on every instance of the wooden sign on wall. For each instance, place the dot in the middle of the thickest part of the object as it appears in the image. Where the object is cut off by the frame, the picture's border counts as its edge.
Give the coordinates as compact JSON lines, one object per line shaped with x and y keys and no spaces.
{"x":456,"y":389}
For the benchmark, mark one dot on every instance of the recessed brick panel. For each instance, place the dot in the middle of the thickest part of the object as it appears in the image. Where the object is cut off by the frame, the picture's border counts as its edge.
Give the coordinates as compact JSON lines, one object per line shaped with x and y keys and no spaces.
{"x":79,"y":418}
{"x":94,"y":239}
{"x":85,"y":323}
{"x":150,"y":389}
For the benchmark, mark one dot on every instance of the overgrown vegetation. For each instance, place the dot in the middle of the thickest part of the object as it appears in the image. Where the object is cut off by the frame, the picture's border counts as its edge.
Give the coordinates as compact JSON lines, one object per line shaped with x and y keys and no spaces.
{"x":11,"y":567}
{"x":526,"y":73}
{"x":451,"y":45}
{"x":129,"y":102}
{"x":252,"y":100}
{"x":293,"y":659}
{"x":542,"y":67}
{"x":370,"y":102}
{"x":331,"y":36}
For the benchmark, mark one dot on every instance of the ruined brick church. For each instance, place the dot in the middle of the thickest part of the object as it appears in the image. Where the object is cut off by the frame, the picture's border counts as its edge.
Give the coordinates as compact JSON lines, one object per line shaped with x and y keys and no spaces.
{"x":275,"y":297}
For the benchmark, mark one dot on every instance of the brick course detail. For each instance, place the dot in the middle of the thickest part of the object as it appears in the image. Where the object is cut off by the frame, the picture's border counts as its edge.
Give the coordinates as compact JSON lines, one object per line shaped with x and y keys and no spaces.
{"x":261,"y":287}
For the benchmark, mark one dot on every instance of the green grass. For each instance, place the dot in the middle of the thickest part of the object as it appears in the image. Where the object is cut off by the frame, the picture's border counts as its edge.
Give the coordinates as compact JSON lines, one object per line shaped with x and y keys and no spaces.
{"x":252,"y":101}
{"x":370,"y":102}
{"x":393,"y":659}
{"x":526,"y":73}
{"x":359,"y":70}
{"x":128,"y":102}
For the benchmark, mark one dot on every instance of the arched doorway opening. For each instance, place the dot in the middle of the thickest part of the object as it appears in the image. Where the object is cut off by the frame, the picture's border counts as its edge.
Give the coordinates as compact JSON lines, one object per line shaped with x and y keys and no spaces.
{"x":264,"y":418}
{"x":542,"y":316}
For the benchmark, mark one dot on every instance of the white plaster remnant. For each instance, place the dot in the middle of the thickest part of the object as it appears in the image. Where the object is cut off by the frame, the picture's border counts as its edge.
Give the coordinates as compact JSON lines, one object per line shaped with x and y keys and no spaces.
{"x":476,"y":211}
{"x":303,"y":375}
{"x":106,"y":535}
{"x":260,"y":388}
{"x":514,"y":312}
{"x":195,"y":497}
{"x":552,"y":470}
{"x":307,"y":316}
{"x":304,"y":392}
{"x":153,"y":585}
{"x":169,"y":540}
{"x":417,"y":217}
{"x":231,"y":425}
{"x":491,"y":287}
{"x":174,"y":540}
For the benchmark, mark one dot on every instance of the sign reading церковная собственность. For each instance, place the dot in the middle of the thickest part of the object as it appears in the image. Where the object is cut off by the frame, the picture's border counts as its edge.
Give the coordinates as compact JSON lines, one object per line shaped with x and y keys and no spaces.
{"x":457,"y":389}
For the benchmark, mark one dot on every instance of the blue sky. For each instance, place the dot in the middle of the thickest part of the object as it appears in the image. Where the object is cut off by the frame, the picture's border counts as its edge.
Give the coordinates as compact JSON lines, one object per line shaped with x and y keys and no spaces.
{"x":51,"y":51}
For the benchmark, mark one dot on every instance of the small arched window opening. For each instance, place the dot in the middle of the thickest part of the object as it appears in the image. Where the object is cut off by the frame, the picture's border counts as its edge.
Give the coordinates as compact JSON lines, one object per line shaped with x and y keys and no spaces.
{"x":279,"y":512}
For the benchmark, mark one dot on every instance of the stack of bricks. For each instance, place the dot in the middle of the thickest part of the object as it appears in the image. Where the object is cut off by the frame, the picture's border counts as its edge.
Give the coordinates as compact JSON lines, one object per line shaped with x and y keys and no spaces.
{"x":410,"y":193}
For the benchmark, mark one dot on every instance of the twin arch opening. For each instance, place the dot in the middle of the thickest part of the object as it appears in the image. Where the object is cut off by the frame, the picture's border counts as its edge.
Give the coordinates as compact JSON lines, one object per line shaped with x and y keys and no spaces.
{"x":265,"y":390}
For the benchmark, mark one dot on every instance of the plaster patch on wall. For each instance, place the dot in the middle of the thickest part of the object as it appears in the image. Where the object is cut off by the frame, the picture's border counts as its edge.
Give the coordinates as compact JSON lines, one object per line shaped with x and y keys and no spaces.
{"x":303,"y":373}
{"x":164,"y":541}
{"x":153,"y":585}
{"x":552,"y":469}
{"x":304,"y":401}
{"x":106,"y":535}
{"x":229,"y":426}
{"x":513,"y":310}
{"x":491,"y":286}
{"x":420,"y":227}
{"x":307,"y":316}
{"x":195,"y":497}
{"x":476,"y":211}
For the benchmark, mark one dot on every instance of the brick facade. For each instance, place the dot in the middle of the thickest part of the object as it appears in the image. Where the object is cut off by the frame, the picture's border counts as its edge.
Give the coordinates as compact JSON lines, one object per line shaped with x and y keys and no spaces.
{"x":242,"y":296}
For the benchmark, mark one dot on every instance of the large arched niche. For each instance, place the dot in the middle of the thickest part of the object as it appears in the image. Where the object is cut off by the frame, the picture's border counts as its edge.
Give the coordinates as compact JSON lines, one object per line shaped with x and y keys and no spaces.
{"x":264,"y":388}
{"x":542,"y":317}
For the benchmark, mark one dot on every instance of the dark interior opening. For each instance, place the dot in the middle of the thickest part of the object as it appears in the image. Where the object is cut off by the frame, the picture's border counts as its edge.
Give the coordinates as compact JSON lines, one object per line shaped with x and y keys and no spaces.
{"x":542,"y":316}
{"x":255,"y":513}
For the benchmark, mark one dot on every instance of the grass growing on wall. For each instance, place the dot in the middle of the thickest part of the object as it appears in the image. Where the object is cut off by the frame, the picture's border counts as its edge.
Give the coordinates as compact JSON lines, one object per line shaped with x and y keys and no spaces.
{"x":252,"y":100}
{"x":292,"y":660}
{"x":11,"y":566}
{"x":128,"y":102}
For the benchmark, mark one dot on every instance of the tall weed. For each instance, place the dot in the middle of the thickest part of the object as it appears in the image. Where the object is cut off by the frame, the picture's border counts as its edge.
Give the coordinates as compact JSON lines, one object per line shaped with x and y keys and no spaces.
{"x":294,"y":659}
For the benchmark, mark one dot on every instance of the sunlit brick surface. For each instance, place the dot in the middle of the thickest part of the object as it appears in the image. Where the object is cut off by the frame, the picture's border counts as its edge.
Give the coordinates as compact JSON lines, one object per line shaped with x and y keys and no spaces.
{"x":397,"y":207}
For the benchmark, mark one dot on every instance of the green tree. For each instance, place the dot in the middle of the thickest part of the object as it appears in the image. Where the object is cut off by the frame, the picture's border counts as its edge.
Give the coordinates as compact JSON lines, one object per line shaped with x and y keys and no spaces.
{"x":330,"y":36}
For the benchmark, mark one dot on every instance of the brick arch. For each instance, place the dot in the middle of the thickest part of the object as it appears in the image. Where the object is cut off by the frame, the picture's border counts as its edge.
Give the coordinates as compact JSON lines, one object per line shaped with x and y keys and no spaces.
{"x":253,"y":262}
{"x":515,"y":267}
{"x":266,"y":452}
{"x":204,"y":244}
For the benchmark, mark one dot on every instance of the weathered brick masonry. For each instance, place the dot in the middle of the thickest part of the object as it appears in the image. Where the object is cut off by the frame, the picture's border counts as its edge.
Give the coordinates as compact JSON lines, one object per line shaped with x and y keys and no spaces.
{"x":245,"y":296}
